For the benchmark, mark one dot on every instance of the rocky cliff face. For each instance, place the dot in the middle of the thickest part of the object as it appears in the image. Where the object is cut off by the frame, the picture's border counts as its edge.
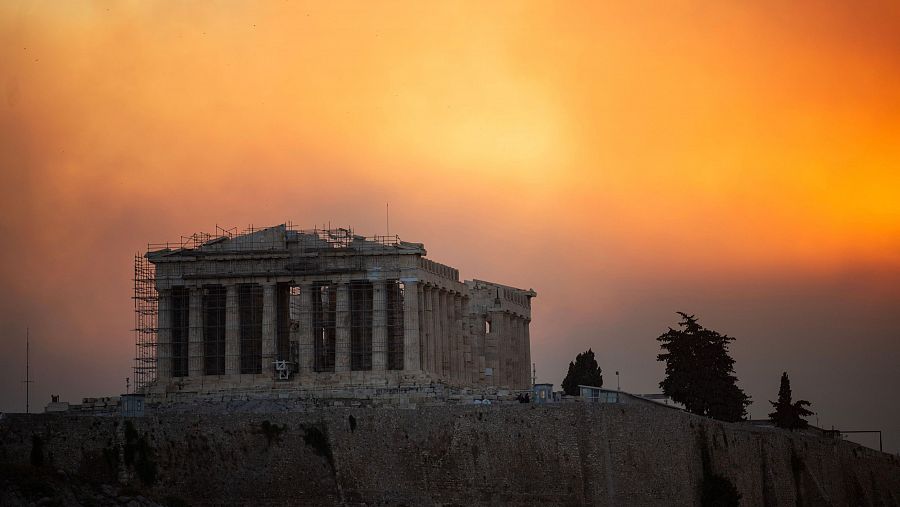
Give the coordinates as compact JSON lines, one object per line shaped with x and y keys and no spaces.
{"x":572,"y":454}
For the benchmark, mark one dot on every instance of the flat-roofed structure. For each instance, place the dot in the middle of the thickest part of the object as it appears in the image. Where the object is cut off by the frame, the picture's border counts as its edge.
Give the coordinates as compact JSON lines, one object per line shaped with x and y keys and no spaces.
{"x":307,"y":308}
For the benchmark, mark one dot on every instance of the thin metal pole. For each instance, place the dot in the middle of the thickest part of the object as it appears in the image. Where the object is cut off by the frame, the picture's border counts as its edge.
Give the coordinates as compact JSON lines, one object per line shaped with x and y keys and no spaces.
{"x":27,"y":373}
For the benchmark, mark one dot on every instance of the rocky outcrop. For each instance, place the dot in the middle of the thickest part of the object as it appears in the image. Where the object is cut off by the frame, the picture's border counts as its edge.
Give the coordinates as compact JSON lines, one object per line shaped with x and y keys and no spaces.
{"x":570,"y":454}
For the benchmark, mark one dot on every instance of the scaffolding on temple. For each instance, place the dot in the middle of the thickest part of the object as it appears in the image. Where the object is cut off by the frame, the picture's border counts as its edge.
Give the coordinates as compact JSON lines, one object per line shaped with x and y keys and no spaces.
{"x":146,"y":308}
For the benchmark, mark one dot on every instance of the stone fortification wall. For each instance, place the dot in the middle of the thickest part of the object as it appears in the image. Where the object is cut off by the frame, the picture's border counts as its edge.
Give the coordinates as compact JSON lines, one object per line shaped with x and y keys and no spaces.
{"x":571,"y":454}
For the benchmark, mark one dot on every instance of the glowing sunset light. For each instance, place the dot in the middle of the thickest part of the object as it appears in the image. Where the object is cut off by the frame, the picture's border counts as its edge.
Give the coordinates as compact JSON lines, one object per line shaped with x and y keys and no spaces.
{"x":626,"y":160}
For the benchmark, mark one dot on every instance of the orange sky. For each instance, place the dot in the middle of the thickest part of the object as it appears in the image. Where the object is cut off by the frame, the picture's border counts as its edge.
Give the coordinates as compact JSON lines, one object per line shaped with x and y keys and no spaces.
{"x":625,"y":160}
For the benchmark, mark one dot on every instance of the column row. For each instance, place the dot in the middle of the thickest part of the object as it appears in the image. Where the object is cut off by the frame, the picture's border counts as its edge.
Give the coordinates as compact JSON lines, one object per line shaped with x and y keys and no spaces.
{"x":446,"y":346}
{"x":508,"y":350}
{"x":315,"y":326}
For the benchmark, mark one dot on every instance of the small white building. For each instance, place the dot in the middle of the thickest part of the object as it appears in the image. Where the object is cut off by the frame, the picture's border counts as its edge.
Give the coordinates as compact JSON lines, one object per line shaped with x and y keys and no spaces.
{"x":543,"y":393}
{"x":593,"y":394}
{"x":132,"y":405}
{"x":55,"y":405}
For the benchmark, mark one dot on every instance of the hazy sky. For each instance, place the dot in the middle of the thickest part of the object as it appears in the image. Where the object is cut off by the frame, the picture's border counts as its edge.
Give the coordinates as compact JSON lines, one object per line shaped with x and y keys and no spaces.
{"x":737,"y":160}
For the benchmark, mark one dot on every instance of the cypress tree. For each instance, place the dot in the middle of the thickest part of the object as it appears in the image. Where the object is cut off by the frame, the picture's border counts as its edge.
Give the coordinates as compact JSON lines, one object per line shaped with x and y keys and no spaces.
{"x":789,"y":415}
{"x":584,"y":371}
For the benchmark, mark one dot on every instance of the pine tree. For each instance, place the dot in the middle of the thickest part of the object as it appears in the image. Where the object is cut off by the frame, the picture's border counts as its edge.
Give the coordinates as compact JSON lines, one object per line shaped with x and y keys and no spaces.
{"x":583,"y":372}
{"x":699,"y":371}
{"x":788,"y":414}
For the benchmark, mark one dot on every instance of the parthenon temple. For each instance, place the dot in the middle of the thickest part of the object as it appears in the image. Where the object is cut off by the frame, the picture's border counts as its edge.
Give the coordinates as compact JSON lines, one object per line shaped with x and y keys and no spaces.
{"x":321,"y":307}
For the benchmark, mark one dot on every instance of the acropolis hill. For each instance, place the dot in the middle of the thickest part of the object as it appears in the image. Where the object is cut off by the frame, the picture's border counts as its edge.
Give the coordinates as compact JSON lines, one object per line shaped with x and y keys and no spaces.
{"x":518,"y":454}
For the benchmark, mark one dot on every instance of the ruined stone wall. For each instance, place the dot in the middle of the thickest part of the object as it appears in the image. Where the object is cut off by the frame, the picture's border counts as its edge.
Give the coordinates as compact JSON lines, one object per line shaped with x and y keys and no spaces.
{"x":571,"y":454}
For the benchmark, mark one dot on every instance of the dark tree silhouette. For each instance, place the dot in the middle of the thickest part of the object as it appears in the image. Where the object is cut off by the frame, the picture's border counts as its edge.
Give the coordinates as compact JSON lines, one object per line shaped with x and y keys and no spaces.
{"x":787,"y":414}
{"x":583,"y":372}
{"x":699,"y":371}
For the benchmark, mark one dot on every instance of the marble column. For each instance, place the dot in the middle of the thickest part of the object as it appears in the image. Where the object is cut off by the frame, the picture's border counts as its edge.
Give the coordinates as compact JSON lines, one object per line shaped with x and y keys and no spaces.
{"x":269,"y":327}
{"x":456,"y":352}
{"x":465,"y":341}
{"x":164,"y":336}
{"x":521,"y":369}
{"x":195,"y":334}
{"x":511,"y":355}
{"x":423,"y":352}
{"x":342,"y":327}
{"x":441,"y":333}
{"x":445,"y":333}
{"x":500,"y":326}
{"x":451,"y":337}
{"x":411,"y":326}
{"x":514,"y":357}
{"x":431,"y":326}
{"x":379,"y":326}
{"x":508,"y":351}
{"x":523,"y":356}
{"x":513,"y":352}
{"x":232,"y":331}
{"x":305,"y":325}
{"x":470,"y":327}
{"x":495,"y":347}
{"x":479,"y":350}
{"x":527,"y":342}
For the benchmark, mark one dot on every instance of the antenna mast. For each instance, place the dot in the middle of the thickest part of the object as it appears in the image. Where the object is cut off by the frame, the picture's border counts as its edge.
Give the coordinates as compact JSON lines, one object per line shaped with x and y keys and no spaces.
{"x":387,"y":217}
{"x":27,"y":380}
